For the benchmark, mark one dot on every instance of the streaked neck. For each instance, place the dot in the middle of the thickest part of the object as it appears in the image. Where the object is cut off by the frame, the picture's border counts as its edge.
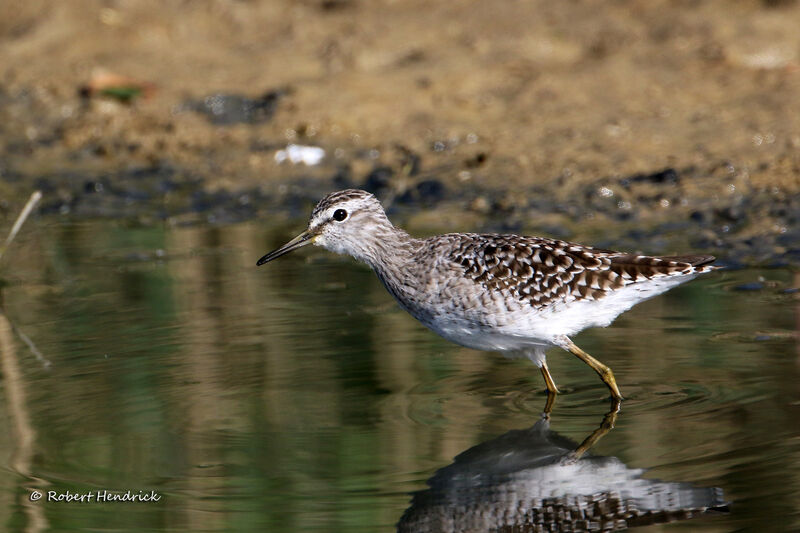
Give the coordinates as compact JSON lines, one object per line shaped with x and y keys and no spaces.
{"x":386,"y":249}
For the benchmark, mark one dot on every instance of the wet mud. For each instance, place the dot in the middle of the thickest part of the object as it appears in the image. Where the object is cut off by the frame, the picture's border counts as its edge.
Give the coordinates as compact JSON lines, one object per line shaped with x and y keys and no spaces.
{"x":655,"y":126}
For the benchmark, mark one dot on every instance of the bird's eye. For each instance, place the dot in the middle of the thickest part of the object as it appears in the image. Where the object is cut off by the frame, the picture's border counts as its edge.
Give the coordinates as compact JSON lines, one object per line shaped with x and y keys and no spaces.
{"x":339,"y":215}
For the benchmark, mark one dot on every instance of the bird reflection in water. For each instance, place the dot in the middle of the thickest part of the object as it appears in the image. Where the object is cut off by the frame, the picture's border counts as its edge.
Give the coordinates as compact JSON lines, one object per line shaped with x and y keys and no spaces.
{"x":535,"y":480}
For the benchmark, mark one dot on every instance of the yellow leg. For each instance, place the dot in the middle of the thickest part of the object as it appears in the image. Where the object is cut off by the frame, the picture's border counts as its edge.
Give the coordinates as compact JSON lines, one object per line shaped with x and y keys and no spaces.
{"x":607,"y":425}
{"x":548,"y":380}
{"x":548,"y":406}
{"x":603,"y":371}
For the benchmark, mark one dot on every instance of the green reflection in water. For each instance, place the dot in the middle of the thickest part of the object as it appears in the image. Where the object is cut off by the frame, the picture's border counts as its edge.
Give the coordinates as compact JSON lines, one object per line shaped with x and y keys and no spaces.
{"x":298,"y":397}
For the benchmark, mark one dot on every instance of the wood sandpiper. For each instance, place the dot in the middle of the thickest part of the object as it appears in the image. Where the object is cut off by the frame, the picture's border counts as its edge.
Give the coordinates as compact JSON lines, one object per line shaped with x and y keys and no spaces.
{"x":506,"y":293}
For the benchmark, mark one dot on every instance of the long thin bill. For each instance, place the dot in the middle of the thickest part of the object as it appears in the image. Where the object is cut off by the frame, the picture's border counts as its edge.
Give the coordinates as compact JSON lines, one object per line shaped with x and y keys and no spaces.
{"x":298,"y":242}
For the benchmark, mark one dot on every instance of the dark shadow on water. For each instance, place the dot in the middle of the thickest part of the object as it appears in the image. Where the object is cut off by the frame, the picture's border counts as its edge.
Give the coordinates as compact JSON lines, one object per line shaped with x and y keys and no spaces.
{"x":537,"y":480}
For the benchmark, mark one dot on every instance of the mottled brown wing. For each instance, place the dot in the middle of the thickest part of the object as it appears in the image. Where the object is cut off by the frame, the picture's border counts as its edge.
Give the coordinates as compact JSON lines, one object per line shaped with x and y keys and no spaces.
{"x":544,"y":271}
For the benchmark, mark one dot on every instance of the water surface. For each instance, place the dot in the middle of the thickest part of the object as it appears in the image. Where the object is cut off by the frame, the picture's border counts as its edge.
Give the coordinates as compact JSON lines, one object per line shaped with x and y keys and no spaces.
{"x":298,"y":397}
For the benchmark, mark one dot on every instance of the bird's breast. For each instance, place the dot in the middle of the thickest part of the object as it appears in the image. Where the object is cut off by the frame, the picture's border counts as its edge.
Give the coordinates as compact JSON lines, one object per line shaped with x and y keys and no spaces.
{"x":478,"y":319}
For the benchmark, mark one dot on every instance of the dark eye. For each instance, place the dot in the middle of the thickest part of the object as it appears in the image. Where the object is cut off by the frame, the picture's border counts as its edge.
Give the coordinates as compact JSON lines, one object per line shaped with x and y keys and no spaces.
{"x":339,"y":215}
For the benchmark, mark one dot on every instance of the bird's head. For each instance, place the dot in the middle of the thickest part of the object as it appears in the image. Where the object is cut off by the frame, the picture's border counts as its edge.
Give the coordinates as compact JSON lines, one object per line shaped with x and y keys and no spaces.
{"x":343,"y":222}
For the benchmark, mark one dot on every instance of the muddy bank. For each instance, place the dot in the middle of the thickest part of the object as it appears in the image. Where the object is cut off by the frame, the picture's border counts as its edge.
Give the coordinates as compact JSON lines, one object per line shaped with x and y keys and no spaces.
{"x":646,"y":125}
{"x":653,"y":213}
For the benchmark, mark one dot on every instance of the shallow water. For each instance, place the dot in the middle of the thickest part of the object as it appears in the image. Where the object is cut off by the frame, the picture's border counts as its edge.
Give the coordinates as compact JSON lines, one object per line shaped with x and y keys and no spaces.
{"x":298,"y":397}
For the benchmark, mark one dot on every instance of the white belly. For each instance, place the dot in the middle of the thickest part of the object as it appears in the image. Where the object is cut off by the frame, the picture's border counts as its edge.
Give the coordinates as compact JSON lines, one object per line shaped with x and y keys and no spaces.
{"x":484,"y":337}
{"x":525,"y":328}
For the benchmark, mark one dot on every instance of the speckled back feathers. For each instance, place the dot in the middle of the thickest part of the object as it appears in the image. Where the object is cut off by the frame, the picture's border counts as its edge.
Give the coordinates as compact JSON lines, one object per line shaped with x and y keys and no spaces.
{"x":542,"y":271}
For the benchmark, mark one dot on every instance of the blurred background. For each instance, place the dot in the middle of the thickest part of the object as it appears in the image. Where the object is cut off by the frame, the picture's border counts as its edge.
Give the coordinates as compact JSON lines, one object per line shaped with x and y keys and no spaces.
{"x":174,"y":143}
